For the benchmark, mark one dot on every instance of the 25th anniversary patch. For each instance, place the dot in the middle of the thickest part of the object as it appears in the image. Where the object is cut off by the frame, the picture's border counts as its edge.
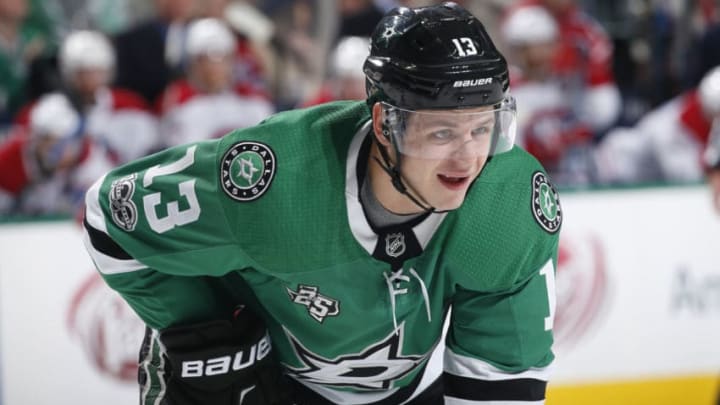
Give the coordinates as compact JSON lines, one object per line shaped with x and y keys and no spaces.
{"x":246,"y":170}
{"x":545,"y":203}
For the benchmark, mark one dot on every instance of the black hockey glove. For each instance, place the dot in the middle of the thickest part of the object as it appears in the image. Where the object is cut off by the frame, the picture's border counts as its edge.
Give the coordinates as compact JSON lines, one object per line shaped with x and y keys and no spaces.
{"x":223,"y":363}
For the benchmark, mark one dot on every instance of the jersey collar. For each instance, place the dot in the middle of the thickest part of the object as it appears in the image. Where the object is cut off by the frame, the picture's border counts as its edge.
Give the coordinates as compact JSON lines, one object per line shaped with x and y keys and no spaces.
{"x":359,"y":225}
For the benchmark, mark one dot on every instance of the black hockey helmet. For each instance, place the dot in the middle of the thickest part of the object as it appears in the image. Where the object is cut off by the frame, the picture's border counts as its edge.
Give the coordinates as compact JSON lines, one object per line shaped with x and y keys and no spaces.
{"x":434,"y":57}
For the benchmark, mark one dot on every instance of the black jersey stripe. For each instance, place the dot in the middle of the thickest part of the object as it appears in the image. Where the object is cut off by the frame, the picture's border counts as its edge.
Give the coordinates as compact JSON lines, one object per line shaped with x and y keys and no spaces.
{"x":471,"y":389}
{"x":104,"y":244}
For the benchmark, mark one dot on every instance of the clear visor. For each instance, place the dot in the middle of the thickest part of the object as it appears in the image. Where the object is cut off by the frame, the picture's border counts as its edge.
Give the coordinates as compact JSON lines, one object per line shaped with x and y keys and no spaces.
{"x":446,"y":134}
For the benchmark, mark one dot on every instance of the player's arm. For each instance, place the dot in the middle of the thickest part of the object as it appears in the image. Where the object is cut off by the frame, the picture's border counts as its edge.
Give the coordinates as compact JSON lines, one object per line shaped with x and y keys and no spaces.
{"x":155,"y":219}
{"x":155,"y":231}
{"x":499,"y":345}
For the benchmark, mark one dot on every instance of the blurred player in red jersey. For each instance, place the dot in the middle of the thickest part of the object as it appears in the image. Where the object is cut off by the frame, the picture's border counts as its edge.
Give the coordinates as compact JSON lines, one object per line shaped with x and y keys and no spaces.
{"x":563,"y":74}
{"x":346,"y":79}
{"x":668,"y":143}
{"x":115,"y":117}
{"x":46,"y":167}
{"x":208,"y":103}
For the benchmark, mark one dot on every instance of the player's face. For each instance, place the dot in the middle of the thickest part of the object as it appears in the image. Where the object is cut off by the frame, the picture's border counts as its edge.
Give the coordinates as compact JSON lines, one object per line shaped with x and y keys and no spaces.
{"x":536,"y":59}
{"x":87,"y":82}
{"x":213,"y":72}
{"x":442,"y":154}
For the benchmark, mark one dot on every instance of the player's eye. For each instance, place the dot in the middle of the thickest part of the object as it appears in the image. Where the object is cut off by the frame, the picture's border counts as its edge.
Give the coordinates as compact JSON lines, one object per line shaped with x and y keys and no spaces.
{"x":482,"y":130}
{"x":441,"y":136}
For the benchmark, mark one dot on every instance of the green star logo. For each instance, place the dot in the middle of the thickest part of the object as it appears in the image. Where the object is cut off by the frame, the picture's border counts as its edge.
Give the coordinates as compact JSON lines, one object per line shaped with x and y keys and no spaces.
{"x":545,"y":203}
{"x":246,"y":170}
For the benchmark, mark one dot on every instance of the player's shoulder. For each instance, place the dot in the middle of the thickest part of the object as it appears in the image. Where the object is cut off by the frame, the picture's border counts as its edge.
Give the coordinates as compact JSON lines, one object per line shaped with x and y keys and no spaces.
{"x":509,"y":223}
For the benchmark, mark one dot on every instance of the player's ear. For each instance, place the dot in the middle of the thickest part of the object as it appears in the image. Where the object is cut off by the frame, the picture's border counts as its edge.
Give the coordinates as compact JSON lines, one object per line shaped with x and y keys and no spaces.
{"x":381,"y":133}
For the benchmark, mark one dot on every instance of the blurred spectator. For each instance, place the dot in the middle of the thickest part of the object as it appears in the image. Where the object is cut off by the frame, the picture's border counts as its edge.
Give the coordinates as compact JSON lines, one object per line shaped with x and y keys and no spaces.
{"x":346,"y":79}
{"x":152,"y":53}
{"x":207,"y":103}
{"x":48,"y":168}
{"x":119,"y":119}
{"x":108,"y":16}
{"x":252,"y":32}
{"x":26,"y":34}
{"x":667,"y":144}
{"x":551,"y":123}
{"x":583,"y":61}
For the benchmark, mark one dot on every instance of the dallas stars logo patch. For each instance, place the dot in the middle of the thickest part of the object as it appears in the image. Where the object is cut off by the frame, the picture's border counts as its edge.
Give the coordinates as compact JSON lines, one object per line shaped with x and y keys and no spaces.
{"x":546,"y":203}
{"x":376,"y":367}
{"x":246,"y":170}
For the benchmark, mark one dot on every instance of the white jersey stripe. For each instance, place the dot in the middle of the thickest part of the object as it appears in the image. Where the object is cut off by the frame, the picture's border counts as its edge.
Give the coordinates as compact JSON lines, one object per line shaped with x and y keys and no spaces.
{"x":356,"y":217}
{"x":93,"y":211}
{"x":473,"y":368}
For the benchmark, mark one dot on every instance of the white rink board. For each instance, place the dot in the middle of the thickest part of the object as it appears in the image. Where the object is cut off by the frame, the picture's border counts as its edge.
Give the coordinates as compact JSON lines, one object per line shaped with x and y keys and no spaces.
{"x":660,"y":312}
{"x":42,"y":267}
{"x":638,"y":284}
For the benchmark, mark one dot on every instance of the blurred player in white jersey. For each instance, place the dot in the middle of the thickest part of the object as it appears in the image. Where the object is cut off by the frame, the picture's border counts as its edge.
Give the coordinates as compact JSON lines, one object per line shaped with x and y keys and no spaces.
{"x":116,"y":117}
{"x":553,"y":124}
{"x":208,"y":104}
{"x":346,"y":79}
{"x":668,"y":143}
{"x":46,"y":168}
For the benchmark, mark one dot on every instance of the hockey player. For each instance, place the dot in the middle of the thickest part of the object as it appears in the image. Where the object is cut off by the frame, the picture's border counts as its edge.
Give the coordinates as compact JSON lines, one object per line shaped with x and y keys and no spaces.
{"x":208,"y":103}
{"x":47,"y":167}
{"x":346,"y":80}
{"x":667,"y":144}
{"x":351,"y":230}
{"x":562,"y":79}
{"x":118,"y":118}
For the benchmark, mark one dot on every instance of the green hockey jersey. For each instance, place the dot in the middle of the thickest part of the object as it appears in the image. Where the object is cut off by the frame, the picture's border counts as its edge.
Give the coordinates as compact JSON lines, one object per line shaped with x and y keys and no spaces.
{"x":270,"y":217}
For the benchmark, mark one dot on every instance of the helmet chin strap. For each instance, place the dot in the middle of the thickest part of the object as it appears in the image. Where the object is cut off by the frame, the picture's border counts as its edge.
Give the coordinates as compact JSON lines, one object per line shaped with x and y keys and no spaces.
{"x":396,"y":177}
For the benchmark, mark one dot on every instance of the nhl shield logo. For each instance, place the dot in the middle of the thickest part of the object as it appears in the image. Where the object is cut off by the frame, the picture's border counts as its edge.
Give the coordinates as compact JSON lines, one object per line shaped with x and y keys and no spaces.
{"x":545,"y":203}
{"x":395,"y":244}
{"x":246,"y":170}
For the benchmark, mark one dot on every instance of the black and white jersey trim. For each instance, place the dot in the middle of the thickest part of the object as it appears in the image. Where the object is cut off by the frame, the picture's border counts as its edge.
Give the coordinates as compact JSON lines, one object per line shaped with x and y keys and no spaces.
{"x":104,"y":244}
{"x":471,"y":389}
{"x":471,"y":381}
{"x":108,"y":256}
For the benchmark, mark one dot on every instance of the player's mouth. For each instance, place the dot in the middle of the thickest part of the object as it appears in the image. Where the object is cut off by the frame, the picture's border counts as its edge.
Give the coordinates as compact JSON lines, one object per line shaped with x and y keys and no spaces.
{"x":454,"y":182}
